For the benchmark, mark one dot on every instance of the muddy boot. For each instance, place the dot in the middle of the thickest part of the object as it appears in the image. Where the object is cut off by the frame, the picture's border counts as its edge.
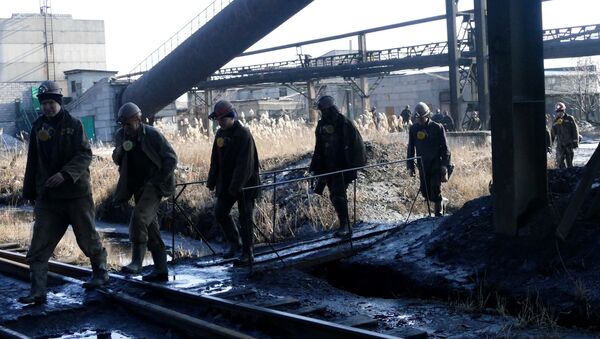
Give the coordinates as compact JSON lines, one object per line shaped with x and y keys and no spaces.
{"x":232,"y":251}
{"x":99,"y":273}
{"x":345,"y":230}
{"x":160,"y":273}
{"x":138,"y":251}
{"x":341,"y":209}
{"x":247,"y":257}
{"x":439,"y":209}
{"x":37,"y":295}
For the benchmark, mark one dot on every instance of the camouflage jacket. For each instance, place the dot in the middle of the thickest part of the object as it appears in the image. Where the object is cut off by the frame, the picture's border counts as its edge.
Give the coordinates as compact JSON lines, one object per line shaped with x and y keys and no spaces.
{"x":57,"y":146}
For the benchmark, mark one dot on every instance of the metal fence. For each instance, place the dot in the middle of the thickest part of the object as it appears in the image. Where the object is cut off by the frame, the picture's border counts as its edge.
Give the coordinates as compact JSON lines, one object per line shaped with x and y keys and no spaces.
{"x":177,"y":208}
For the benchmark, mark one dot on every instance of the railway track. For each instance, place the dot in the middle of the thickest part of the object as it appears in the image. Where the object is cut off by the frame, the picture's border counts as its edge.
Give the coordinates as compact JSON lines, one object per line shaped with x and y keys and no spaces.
{"x":232,"y":314}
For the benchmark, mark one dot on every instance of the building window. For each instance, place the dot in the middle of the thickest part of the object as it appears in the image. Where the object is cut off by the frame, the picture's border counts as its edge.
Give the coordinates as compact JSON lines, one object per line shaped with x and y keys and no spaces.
{"x":282,"y":92}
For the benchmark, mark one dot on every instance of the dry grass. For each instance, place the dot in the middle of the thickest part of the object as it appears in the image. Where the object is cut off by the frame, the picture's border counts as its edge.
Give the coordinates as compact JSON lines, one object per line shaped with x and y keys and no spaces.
{"x":279,"y":142}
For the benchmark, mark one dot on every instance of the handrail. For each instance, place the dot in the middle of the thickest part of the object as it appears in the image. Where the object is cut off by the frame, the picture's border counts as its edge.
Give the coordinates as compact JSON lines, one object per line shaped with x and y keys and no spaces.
{"x":329,"y":173}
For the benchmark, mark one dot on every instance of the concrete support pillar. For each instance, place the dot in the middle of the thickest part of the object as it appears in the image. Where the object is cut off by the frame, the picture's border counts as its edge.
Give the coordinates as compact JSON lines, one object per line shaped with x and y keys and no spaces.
{"x":363,"y":81}
{"x":483,"y":85}
{"x":517,"y":112}
{"x":208,"y":106}
{"x":311,"y":93}
{"x":453,"y":60}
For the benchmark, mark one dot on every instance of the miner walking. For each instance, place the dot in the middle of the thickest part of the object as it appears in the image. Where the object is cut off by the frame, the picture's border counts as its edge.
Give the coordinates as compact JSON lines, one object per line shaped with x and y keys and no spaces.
{"x":146,"y":163}
{"x":565,"y":135}
{"x":427,"y":139}
{"x":57,"y":179}
{"x":339,"y":146}
{"x":234,"y":165}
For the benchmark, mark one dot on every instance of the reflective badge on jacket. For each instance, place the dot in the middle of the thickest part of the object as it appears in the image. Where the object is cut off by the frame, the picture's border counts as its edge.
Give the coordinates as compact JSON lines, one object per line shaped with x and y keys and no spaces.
{"x":329,"y":129}
{"x":220,"y":142}
{"x":559,"y":121}
{"x":128,"y":145}
{"x":45,"y":134}
{"x":421,"y":135}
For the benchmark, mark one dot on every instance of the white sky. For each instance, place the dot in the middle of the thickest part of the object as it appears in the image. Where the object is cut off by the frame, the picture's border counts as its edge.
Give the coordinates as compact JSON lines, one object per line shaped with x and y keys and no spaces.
{"x":134,"y":28}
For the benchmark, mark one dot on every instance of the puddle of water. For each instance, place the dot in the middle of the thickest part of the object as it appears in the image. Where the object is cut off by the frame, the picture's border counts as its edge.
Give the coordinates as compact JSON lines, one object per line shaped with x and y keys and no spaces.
{"x":94,"y":334}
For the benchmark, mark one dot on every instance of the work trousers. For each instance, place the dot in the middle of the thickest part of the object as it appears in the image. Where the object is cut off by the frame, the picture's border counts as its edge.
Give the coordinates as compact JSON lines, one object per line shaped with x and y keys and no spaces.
{"x":143,"y":226}
{"x":52,"y":217}
{"x":564,"y":154}
{"x":246,"y":210}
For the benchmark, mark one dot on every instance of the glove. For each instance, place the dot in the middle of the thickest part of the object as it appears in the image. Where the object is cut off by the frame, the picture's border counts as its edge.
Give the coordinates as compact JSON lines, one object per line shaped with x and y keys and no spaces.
{"x":411,"y":172}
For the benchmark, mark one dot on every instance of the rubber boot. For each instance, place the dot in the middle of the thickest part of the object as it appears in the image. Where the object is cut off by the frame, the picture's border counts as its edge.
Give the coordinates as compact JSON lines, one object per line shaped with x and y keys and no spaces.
{"x":234,"y":248}
{"x":138,"y":251}
{"x":233,"y":237}
{"x":37,"y":295}
{"x":160,"y":273}
{"x":439,"y":209}
{"x":99,"y":273}
{"x":341,"y":209}
{"x":247,"y":257}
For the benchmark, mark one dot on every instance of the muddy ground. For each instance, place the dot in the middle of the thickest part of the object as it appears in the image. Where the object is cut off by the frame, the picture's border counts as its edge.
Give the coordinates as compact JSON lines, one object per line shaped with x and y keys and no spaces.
{"x":534,"y":276}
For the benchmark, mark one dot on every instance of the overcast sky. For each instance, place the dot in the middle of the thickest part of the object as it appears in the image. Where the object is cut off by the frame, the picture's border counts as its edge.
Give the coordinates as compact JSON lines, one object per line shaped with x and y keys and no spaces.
{"x":134,"y":28}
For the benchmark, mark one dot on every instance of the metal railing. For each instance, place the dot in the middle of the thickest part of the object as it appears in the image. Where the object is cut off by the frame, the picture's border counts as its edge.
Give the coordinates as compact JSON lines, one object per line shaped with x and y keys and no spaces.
{"x":576,"y":33}
{"x":176,"y":39}
{"x":274,"y":186}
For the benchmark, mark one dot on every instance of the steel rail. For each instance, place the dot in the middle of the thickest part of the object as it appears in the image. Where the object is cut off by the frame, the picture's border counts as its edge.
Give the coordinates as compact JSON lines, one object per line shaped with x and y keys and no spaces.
{"x":295,"y":325}
{"x":13,"y":265}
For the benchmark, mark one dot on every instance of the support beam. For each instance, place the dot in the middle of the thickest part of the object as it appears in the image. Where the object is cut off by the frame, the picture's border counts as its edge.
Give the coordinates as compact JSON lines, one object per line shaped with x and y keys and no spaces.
{"x":311,"y":93}
{"x":452,"y":58}
{"x":364,"y":81}
{"x":481,"y":45}
{"x":208,"y":106}
{"x":517,"y":112}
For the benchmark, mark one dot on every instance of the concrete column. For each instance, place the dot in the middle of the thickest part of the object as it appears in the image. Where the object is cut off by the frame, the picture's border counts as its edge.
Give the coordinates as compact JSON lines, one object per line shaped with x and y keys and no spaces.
{"x":452,"y":60}
{"x":517,"y":112}
{"x":483,"y":85}
{"x":311,"y":93}
{"x":363,"y":81}
{"x":208,"y":106}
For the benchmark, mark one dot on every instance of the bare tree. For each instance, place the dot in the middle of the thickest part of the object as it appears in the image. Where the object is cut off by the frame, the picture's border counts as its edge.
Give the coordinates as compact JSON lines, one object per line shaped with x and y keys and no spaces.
{"x":581,"y":89}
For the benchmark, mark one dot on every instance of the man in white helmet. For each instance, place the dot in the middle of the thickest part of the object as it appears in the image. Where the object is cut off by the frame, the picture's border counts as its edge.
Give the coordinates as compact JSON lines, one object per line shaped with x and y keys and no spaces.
{"x":427,"y":139}
{"x":565,"y":135}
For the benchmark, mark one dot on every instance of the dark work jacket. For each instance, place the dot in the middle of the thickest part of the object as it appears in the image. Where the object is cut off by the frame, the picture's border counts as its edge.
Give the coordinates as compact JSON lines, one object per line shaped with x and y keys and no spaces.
{"x":233,"y":162}
{"x":432,"y":146}
{"x":72,"y":158}
{"x":564,"y":132}
{"x":448,"y":123}
{"x":339,"y":146}
{"x":158,"y":150}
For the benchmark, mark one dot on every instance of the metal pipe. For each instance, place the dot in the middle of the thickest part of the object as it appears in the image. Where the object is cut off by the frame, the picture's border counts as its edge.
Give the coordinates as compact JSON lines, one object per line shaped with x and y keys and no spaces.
{"x":212,"y":46}
{"x":274,"y":207}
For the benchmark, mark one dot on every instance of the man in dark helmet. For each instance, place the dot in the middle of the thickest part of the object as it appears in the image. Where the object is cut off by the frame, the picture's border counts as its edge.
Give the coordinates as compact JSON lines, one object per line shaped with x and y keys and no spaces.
{"x":146,"y":163}
{"x":565,"y":135}
{"x":233,"y":166}
{"x":428,"y":139}
{"x":339,"y":146}
{"x":57,"y":178}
